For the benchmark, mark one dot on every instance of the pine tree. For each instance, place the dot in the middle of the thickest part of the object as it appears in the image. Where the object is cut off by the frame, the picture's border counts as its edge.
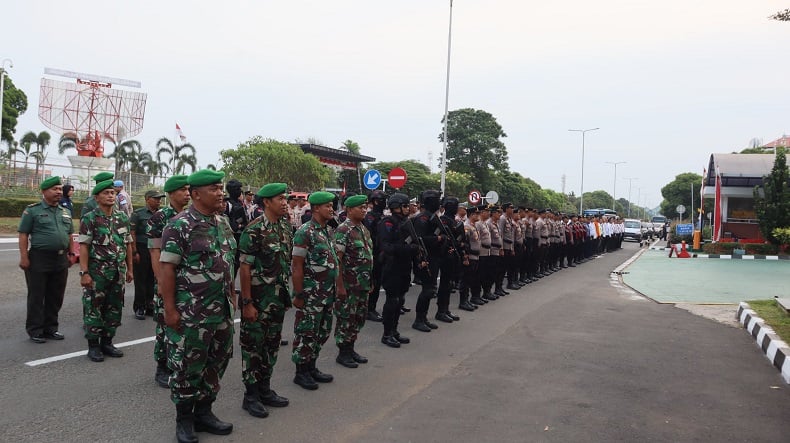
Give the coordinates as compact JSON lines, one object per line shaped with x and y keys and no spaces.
{"x":773,"y":208}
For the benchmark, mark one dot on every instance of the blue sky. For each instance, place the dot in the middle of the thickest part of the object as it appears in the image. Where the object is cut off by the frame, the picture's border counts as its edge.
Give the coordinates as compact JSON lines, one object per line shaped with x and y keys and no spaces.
{"x":668,"y":83}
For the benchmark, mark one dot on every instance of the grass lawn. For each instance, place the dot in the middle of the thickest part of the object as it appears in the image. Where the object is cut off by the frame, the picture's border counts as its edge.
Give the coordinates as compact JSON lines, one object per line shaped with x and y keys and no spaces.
{"x":774,"y":316}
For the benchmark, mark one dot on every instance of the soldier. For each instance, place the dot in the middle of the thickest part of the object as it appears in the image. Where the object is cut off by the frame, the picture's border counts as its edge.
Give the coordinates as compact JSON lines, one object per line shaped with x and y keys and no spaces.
{"x":485,"y":265}
{"x":90,"y":203}
{"x":399,"y":249}
{"x":177,"y":191}
{"x":379,"y":201}
{"x":196,"y":284}
{"x":434,"y":240}
{"x":46,"y":228}
{"x":470,"y":275}
{"x":265,"y":254}
{"x":314,"y":270}
{"x":105,"y":265}
{"x":497,"y":253}
{"x":143,"y":272}
{"x":355,"y":254}
{"x":452,"y":257}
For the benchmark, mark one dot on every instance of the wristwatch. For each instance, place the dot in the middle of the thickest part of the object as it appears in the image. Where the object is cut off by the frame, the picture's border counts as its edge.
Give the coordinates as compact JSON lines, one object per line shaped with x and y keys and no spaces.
{"x":246,"y":301}
{"x":83,"y":273}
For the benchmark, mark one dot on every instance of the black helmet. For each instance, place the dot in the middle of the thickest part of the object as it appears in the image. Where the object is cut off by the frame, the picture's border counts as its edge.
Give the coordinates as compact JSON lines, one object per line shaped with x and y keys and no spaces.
{"x":377,"y":195}
{"x":429,"y":194}
{"x":449,"y":201}
{"x":397,"y":200}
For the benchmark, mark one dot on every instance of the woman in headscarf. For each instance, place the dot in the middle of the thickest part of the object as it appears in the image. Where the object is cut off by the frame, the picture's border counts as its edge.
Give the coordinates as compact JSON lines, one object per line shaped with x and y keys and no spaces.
{"x":65,"y":201}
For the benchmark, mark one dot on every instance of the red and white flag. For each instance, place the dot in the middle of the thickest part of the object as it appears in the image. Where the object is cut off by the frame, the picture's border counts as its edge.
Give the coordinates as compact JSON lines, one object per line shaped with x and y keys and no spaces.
{"x":717,"y":209}
{"x":180,"y":133}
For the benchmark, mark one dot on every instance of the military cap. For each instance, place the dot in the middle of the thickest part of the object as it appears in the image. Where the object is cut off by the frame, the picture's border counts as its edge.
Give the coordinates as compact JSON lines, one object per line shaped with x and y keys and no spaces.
{"x":354,"y":201}
{"x":102,"y":176}
{"x":471,"y":210}
{"x":272,"y":190}
{"x":320,"y":198}
{"x":50,"y":182}
{"x":494,"y":208}
{"x":101,"y":186}
{"x":205,"y":177}
{"x":542,"y":211}
{"x":175,"y":182}
{"x":482,"y":208}
{"x":153,"y":193}
{"x":506,"y":206}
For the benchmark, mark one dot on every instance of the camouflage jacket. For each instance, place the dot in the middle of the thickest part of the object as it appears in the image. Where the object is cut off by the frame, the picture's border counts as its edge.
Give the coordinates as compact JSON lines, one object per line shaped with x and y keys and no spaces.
{"x":106,"y":236}
{"x":266,"y":246}
{"x":314,"y":243}
{"x":354,"y":242}
{"x":156,"y":224}
{"x":203,"y":248}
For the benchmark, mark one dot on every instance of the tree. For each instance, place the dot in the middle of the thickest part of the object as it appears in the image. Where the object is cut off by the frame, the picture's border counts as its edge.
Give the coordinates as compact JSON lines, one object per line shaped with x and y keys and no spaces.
{"x":26,"y":150}
{"x":127,"y":156}
{"x":782,"y":16}
{"x":678,"y":192}
{"x":773,"y":208}
{"x":67,"y":142}
{"x":418,"y":176}
{"x":352,"y":147}
{"x":474,"y":146}
{"x":179,"y":156}
{"x":259,"y":161}
{"x":14,"y":104}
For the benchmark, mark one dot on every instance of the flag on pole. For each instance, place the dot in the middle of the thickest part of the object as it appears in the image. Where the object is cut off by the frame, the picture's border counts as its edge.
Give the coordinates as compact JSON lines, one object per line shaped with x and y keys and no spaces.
{"x":717,"y":208}
{"x":702,"y":196}
{"x":180,"y":133}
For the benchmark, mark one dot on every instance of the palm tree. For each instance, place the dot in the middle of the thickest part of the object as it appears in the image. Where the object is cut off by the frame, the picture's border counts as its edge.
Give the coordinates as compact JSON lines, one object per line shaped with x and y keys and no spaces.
{"x":27,"y":151}
{"x":180,"y":156}
{"x":41,"y":141}
{"x":126,"y":154}
{"x":152,"y":166}
{"x":67,"y":141}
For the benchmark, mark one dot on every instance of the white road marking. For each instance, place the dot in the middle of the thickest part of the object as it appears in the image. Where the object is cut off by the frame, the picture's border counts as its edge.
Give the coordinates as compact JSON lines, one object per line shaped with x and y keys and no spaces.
{"x":44,"y":361}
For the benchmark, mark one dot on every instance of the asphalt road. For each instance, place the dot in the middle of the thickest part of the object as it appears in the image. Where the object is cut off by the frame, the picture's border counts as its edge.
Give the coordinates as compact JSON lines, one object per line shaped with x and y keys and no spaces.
{"x":568,"y":359}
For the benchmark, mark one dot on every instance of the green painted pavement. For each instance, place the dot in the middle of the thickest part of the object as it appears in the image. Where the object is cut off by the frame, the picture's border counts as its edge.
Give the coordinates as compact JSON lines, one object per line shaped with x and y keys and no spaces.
{"x":707,"y":280}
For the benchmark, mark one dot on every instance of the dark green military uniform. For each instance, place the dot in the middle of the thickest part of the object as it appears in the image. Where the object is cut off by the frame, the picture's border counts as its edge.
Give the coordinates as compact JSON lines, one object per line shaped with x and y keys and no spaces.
{"x":143,"y":273}
{"x":107,"y":237}
{"x":49,"y":231}
{"x":202,"y":247}
{"x":356,"y":246}
{"x":153,"y":231}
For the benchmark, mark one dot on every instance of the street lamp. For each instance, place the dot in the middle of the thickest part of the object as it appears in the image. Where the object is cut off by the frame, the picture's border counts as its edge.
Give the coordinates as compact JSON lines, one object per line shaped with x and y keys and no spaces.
{"x":2,"y":86}
{"x":446,"y":101}
{"x":581,"y":194}
{"x":630,"y":179}
{"x":614,"y":187}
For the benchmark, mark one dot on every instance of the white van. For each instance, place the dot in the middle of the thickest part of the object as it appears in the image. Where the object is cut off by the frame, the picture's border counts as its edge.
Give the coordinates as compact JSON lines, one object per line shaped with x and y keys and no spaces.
{"x":632,"y":229}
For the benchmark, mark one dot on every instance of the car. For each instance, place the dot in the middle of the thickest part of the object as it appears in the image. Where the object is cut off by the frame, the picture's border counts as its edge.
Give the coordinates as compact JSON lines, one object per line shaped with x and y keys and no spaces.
{"x":632,"y":229}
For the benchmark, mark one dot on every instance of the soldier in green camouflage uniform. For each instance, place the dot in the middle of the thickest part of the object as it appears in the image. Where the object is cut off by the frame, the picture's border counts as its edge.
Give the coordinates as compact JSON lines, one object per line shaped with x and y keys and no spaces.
{"x":178,"y":194}
{"x":314,"y":273}
{"x":265,"y":247}
{"x":105,"y":266}
{"x":355,"y":255}
{"x":196,"y":284}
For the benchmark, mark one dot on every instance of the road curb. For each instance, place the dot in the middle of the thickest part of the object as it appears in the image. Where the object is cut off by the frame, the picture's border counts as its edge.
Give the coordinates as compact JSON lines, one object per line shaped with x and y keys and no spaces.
{"x":774,"y":348}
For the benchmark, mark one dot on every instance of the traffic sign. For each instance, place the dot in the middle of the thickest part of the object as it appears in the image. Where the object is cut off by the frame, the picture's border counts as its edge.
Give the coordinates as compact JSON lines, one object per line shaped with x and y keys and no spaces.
{"x":684,"y":229}
{"x":372,"y":179}
{"x":680,"y":209}
{"x":492,"y":197}
{"x":474,"y":197}
{"x":397,"y":178}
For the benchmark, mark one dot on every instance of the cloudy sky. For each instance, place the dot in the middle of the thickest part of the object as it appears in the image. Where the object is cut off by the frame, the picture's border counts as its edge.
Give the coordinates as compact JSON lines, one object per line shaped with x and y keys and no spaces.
{"x":667,"y":82}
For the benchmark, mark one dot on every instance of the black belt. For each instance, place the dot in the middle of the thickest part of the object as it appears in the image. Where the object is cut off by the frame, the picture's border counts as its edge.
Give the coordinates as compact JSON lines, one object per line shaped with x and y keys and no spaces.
{"x":543,"y":236}
{"x":471,"y":252}
{"x":495,"y":245}
{"x":486,"y":246}
{"x":508,"y":241}
{"x":50,"y":251}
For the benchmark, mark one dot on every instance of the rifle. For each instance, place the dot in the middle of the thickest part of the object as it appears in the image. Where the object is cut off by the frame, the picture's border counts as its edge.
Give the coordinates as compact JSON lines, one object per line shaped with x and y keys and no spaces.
{"x":449,"y":235}
{"x":423,"y":251}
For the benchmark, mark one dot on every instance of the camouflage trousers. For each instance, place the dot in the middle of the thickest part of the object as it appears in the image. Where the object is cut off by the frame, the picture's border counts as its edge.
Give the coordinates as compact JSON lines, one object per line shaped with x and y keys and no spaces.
{"x":312,"y":326}
{"x":260,"y":339}
{"x":160,"y":346}
{"x":198,"y":355}
{"x":351,"y":311}
{"x":102,"y":305}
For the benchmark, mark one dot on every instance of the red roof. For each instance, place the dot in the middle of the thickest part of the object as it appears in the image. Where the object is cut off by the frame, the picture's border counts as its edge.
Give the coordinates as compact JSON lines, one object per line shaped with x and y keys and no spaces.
{"x":783,"y":141}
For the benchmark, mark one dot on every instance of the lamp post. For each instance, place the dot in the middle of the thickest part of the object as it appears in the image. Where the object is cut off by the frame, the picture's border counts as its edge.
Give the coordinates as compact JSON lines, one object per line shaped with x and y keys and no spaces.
{"x":446,"y":101}
{"x":630,"y":179}
{"x":581,"y":193}
{"x":2,"y":87}
{"x":614,"y":186}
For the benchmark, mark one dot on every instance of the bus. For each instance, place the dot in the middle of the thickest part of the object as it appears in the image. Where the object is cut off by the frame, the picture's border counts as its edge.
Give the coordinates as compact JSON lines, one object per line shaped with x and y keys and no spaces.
{"x":599,"y":212}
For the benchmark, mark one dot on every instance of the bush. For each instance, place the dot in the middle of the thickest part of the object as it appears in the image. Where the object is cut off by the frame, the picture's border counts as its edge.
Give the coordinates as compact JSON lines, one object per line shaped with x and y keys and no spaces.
{"x":13,"y":207}
{"x":751,"y":248}
{"x":782,"y":234}
{"x":761,"y":249}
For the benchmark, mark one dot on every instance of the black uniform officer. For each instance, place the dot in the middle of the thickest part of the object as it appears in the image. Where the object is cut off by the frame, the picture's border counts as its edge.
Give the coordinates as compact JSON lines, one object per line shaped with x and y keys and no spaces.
{"x":45,"y":228}
{"x":371,"y":221}
{"x":452,"y":257}
{"x":143,"y":272}
{"x":426,"y":225}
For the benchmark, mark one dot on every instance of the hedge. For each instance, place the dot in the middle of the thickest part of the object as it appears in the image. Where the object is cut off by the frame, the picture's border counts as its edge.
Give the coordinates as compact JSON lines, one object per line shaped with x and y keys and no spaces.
{"x":13,"y":207}
{"x":751,"y":248}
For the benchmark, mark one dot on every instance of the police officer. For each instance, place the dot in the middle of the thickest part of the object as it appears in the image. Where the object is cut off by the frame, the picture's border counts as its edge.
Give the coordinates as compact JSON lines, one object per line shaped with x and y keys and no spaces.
{"x":196,"y":284}
{"x":497,"y":253}
{"x":399,"y":248}
{"x":90,"y":203}
{"x":427,"y":228}
{"x":265,"y":254}
{"x":45,"y":228}
{"x":378,"y":202}
{"x":105,"y":265}
{"x":314,"y":270}
{"x":507,"y":230}
{"x":485,"y":268}
{"x":143,"y":272}
{"x":453,"y":257}
{"x":470,"y":274}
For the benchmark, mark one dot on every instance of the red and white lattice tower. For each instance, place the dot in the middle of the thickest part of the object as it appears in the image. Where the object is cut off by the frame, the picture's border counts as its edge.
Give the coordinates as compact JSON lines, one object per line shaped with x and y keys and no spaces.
{"x":90,"y":110}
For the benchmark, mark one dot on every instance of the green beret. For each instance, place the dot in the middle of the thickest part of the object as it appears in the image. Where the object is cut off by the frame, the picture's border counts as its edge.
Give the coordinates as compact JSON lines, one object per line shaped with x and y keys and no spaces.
{"x":102,"y":176}
{"x":101,"y":186}
{"x":205,"y":177}
{"x":175,"y":183}
{"x":50,"y":182}
{"x":272,"y":190}
{"x":355,"y":200}
{"x":320,"y":197}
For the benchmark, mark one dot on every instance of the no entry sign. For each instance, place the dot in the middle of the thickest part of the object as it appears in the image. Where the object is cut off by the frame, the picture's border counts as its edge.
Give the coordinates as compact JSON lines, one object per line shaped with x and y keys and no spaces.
{"x":397,"y":178}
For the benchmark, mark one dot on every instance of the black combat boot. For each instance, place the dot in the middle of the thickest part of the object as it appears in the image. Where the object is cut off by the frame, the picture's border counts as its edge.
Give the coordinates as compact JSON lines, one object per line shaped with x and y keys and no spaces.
{"x":185,"y":422}
{"x":206,"y":421}
{"x":304,"y":379}
{"x":401,"y":339}
{"x":421,"y":323}
{"x":162,"y":375}
{"x":357,"y":358}
{"x":252,"y":402}
{"x":477,"y":301}
{"x":319,"y":376}
{"x":390,"y":341}
{"x":512,"y":286}
{"x":442,"y":316}
{"x":269,"y":397}
{"x":108,"y":349}
{"x":94,"y":351}
{"x":345,"y":357}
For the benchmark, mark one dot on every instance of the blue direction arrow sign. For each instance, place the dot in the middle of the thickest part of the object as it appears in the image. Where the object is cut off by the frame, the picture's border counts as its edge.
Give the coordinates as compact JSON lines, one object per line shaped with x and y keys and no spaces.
{"x":372,"y":179}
